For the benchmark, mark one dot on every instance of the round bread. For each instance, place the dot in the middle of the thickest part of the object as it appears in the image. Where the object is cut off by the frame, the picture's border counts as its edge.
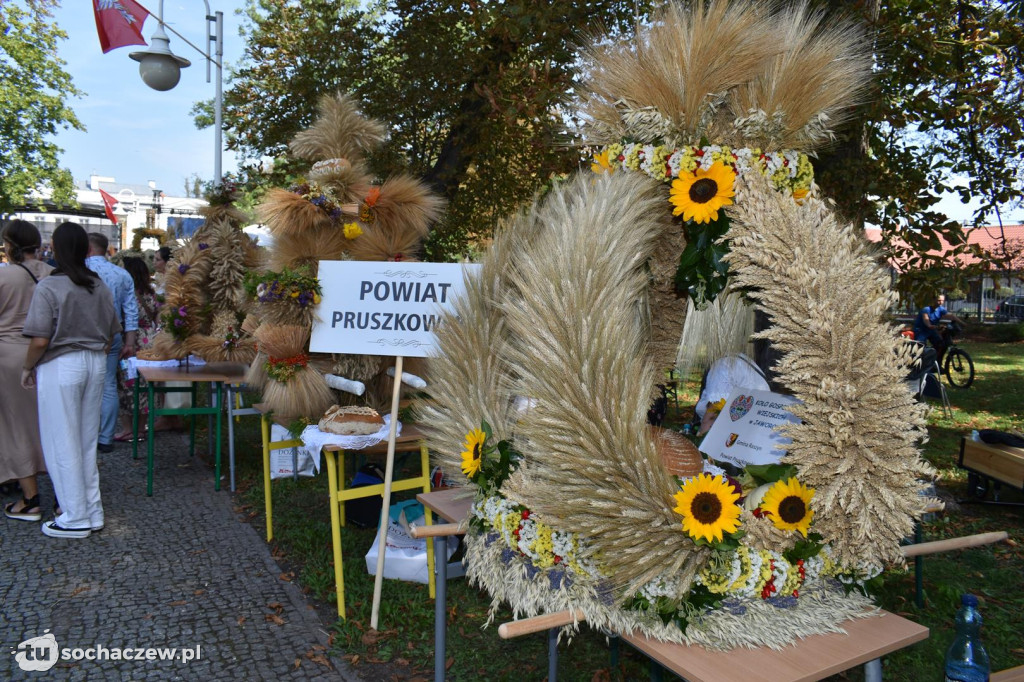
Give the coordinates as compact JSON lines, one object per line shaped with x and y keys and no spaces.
{"x":351,"y":421}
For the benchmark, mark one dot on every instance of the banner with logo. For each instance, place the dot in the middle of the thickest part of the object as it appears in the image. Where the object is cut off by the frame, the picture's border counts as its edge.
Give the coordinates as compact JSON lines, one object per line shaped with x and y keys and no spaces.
{"x":745,"y":431}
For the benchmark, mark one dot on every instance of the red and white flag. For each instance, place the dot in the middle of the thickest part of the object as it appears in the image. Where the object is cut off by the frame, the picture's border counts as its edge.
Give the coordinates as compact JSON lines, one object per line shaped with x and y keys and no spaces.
{"x":119,"y":23}
{"x":108,"y":206}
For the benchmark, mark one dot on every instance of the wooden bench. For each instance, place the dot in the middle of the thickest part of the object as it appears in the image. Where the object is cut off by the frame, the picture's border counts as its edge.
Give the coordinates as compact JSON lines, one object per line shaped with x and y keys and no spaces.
{"x":999,"y":463}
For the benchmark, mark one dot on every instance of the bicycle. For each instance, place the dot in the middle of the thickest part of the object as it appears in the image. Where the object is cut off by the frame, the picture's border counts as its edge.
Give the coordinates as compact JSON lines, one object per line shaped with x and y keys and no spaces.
{"x":957,"y":364}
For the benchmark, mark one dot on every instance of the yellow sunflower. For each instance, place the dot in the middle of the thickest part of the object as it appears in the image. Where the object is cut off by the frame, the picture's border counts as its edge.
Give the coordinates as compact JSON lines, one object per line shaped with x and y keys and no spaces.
{"x":699,"y":195}
{"x":708,"y":507}
{"x":787,"y":504}
{"x":472,"y":454}
{"x":601,"y":163}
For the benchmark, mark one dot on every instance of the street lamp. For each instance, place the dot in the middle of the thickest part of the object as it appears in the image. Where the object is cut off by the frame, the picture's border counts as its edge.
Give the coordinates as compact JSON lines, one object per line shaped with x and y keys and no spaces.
{"x":161,"y":69}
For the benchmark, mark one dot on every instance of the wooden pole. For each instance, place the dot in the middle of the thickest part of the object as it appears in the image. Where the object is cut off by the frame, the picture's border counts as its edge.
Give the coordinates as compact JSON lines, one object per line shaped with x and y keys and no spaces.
{"x":953,"y":543}
{"x":385,"y":510}
{"x":437,"y":530}
{"x":526,"y":626}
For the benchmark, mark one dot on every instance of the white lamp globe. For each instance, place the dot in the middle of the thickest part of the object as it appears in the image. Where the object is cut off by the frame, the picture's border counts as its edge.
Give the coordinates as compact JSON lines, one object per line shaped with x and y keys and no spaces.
{"x":159,"y":67}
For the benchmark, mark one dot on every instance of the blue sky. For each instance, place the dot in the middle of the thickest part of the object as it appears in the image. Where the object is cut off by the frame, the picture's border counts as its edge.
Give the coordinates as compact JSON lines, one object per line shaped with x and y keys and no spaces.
{"x":136,"y":134}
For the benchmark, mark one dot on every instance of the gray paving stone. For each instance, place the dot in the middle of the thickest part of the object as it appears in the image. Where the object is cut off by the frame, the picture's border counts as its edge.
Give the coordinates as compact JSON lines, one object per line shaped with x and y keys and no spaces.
{"x":176,"y":570}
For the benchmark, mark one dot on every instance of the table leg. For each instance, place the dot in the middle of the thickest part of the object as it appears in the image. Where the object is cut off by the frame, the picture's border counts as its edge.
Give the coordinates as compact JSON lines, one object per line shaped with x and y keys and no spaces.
{"x":425,"y":472}
{"x":552,"y":654}
{"x":216,"y":397}
{"x":265,"y":433}
{"x":873,"y":670}
{"x":339,"y":576}
{"x":440,"y":607}
{"x":428,"y":518}
{"x":192,"y":425}
{"x":135,"y":417}
{"x":231,"y":435}
{"x":210,"y":390}
{"x":918,"y":568}
{"x":150,"y":435}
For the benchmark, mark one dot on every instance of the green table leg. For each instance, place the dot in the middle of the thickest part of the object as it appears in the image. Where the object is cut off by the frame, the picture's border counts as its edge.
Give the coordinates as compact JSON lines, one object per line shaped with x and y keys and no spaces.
{"x":135,"y":417}
{"x":150,"y":433}
{"x":192,"y":425}
{"x":217,"y":396}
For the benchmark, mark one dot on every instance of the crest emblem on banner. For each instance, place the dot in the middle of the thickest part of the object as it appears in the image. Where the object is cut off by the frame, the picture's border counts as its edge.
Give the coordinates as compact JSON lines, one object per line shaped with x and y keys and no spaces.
{"x":741,"y":404}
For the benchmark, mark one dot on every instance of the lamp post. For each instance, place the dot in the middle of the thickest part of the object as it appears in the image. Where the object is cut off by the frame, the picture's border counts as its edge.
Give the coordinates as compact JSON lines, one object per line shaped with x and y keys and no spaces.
{"x":160,"y":69}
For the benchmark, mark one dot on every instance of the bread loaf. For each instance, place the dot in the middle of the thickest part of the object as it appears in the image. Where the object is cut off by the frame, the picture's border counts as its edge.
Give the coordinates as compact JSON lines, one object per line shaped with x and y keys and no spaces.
{"x":351,"y":421}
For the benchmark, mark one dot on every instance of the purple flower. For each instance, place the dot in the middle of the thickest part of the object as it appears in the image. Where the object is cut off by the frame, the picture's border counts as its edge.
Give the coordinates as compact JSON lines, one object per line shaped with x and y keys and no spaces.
{"x":183,"y":311}
{"x":182,"y":269}
{"x":203,"y":246}
{"x":178,"y":322}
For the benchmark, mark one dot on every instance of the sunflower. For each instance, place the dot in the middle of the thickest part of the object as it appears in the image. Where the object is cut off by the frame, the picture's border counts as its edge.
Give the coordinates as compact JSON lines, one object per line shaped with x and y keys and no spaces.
{"x":699,"y":195}
{"x":708,"y":507}
{"x":601,"y":163}
{"x":471,"y":456}
{"x":787,"y":504}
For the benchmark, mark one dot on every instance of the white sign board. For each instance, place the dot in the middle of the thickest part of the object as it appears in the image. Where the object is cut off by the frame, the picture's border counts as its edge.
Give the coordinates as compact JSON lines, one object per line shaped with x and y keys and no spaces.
{"x":744,"y":433}
{"x":384,"y":308}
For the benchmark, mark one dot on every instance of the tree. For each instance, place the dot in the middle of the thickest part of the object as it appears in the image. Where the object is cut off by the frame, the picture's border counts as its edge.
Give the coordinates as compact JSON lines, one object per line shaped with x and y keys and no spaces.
{"x":33,"y":89}
{"x":947,"y":105}
{"x":471,"y":91}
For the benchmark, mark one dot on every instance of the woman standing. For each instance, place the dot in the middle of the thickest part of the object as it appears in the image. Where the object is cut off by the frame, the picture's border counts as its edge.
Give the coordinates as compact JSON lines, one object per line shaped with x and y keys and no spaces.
{"x":149,"y":325}
{"x":70,"y":323}
{"x":21,"y":456}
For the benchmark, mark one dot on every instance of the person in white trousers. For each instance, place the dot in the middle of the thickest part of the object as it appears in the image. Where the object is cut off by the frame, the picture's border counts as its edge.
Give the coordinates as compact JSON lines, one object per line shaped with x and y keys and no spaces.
{"x":70,"y":324}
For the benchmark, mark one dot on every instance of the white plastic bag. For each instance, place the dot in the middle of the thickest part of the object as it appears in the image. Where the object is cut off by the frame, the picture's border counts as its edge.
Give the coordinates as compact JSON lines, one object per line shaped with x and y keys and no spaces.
{"x":405,"y":557}
{"x":284,"y":462}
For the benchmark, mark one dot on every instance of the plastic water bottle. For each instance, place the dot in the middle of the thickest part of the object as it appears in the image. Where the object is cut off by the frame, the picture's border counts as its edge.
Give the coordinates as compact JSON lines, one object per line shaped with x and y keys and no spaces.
{"x":966,"y":660}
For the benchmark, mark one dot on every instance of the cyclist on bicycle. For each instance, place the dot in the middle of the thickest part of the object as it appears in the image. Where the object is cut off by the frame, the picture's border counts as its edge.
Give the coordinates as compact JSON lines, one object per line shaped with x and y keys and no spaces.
{"x":925,"y":325}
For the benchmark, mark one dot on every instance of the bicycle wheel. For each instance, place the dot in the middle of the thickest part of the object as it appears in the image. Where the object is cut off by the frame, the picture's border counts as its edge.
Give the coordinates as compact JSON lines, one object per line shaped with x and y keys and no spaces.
{"x":959,"y":369}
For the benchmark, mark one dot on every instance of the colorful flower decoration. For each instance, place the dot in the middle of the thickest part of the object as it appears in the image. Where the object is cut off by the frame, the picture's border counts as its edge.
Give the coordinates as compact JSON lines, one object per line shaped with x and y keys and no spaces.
{"x":284,"y":369}
{"x":601,"y":163}
{"x":699,"y":195}
{"x":320,"y":196}
{"x":352,"y":230}
{"x":472,"y":455}
{"x":787,"y":504}
{"x":296,"y":286}
{"x":708,"y":507}
{"x":366,"y":213}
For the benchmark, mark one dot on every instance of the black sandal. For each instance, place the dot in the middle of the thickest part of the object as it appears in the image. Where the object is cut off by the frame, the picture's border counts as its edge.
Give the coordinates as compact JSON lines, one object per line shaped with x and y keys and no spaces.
{"x":25,"y":514}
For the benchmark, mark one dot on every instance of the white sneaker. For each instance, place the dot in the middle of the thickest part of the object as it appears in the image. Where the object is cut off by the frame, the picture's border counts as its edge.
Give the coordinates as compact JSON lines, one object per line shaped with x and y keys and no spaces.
{"x":51,"y":529}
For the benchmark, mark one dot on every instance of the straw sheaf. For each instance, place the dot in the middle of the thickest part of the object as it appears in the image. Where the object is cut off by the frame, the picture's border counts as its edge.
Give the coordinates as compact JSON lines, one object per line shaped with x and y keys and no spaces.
{"x":212,"y":349}
{"x":304,"y":395}
{"x":286,"y":214}
{"x":731,"y":72}
{"x":256,"y":378}
{"x":339,"y":131}
{"x":809,"y":89}
{"x":468,"y":382}
{"x":287,"y":312}
{"x":299,"y":250}
{"x":857,"y":440}
{"x":166,"y":346}
{"x":682,"y":66}
{"x":281,"y":341}
{"x":579,"y":351}
{"x":229,"y":213}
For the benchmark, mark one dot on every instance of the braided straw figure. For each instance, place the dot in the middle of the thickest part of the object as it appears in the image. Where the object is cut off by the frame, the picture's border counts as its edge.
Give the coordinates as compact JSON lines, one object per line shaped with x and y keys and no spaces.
{"x":547,"y":365}
{"x":335,"y":213}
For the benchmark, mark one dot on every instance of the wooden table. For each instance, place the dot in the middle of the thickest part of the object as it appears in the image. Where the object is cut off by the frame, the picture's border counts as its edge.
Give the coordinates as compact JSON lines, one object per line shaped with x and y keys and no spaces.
{"x":192,"y":375}
{"x":812,"y":658}
{"x":410,"y":440}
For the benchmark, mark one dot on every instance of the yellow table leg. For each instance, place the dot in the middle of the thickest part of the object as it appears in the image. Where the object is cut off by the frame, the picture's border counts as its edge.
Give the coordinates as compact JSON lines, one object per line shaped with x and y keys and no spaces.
{"x":265,"y":432}
{"x":341,"y":485}
{"x":339,"y":575}
{"x":425,"y":470}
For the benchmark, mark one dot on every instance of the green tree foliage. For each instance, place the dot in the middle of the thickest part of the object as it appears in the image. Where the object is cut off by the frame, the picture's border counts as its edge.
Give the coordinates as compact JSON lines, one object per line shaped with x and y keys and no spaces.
{"x":474,"y":94}
{"x":472,"y":91}
{"x":33,"y":89}
{"x":946,"y":110}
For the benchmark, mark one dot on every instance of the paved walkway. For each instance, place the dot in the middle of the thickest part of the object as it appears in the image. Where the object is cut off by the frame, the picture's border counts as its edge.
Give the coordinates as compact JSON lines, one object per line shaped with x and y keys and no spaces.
{"x":177,"y":570}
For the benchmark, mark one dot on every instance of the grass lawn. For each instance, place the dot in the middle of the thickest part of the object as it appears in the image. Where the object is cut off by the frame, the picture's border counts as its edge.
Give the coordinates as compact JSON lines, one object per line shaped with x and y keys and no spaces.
{"x":403,"y":649}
